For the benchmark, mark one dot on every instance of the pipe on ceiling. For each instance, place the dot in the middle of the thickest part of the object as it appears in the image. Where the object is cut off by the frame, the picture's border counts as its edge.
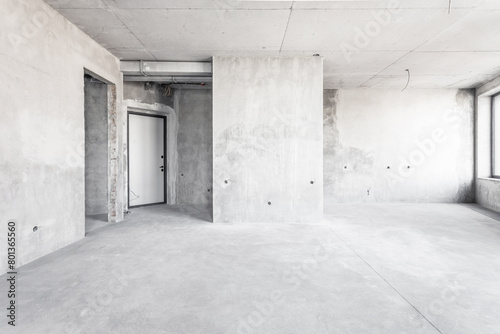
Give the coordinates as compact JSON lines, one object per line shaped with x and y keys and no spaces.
{"x":166,"y":71}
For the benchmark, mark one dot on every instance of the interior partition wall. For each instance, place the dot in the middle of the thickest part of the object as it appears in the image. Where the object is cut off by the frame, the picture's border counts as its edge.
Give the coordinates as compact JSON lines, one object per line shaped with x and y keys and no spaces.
{"x":267,"y":139}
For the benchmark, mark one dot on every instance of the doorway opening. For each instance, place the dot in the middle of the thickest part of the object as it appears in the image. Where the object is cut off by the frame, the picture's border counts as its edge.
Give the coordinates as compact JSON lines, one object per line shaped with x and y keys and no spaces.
{"x":147,"y":159}
{"x":96,"y":152}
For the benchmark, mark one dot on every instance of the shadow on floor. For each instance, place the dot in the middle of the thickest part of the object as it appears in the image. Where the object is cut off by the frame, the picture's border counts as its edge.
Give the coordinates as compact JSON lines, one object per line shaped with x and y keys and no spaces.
{"x":93,"y":222}
{"x":193,"y":211}
{"x":203,"y":213}
{"x":487,"y":212}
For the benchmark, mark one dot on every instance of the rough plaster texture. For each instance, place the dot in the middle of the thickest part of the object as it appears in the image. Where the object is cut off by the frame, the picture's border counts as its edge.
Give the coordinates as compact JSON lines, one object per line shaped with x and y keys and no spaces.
{"x":42,"y":177}
{"x":488,"y":193}
{"x":194,"y":146}
{"x":267,"y":133}
{"x":393,"y":146}
{"x":96,"y":147}
{"x":149,"y":93}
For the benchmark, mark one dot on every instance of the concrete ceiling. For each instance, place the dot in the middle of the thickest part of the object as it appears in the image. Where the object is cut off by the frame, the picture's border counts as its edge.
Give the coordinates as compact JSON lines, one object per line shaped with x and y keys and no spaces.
{"x":457,"y":49}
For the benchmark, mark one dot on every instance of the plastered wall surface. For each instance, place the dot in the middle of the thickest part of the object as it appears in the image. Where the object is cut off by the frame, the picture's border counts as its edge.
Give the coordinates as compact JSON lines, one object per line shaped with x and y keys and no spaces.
{"x":393,"y":146}
{"x":194,"y":146}
{"x":42,"y":177}
{"x":96,"y":147}
{"x":267,"y":139}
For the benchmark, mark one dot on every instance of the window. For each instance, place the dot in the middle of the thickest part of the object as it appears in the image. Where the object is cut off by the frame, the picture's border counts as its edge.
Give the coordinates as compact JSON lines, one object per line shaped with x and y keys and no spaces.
{"x":495,"y":136}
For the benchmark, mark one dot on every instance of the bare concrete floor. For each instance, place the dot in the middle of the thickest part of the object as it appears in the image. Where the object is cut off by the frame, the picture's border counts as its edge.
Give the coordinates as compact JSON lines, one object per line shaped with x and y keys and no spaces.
{"x":386,"y":268}
{"x":93,"y":222}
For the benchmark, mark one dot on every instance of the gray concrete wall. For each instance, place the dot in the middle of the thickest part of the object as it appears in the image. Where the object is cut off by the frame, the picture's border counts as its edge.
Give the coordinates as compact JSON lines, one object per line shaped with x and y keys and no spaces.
{"x":149,"y":93}
{"x":96,"y":147}
{"x":393,"y":146}
{"x":42,"y":174}
{"x":488,"y":193}
{"x":194,"y":146}
{"x":267,"y":139}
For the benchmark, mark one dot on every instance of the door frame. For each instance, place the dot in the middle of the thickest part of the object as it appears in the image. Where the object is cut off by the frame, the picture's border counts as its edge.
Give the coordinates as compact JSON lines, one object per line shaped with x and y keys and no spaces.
{"x":115,"y":213}
{"x":130,"y":112}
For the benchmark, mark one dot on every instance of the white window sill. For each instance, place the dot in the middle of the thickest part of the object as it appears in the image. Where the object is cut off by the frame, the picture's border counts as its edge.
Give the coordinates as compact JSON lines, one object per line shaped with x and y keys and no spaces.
{"x":489,"y":179}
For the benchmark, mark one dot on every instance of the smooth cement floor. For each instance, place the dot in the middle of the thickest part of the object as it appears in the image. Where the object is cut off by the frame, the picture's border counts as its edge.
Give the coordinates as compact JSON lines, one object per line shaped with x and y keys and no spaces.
{"x":371,"y":268}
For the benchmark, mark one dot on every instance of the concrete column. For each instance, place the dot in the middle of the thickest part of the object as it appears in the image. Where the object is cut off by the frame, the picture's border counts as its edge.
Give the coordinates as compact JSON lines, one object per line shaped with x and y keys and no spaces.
{"x":267,"y":139}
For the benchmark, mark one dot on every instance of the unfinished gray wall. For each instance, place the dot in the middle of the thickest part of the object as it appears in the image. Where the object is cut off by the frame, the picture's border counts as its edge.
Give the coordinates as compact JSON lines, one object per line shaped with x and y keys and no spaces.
{"x":393,"y":146}
{"x":194,"y":146}
{"x":146,"y":92}
{"x":42,"y":174}
{"x":488,"y":193}
{"x":267,"y":132}
{"x":96,"y":147}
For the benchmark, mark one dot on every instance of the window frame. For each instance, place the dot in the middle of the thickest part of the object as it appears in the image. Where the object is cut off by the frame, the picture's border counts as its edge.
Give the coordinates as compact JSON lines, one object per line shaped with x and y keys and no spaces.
{"x":493,"y":132}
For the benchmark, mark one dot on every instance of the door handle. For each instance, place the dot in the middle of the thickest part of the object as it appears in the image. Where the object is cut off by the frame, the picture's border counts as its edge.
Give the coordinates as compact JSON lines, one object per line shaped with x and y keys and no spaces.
{"x":161,"y":166}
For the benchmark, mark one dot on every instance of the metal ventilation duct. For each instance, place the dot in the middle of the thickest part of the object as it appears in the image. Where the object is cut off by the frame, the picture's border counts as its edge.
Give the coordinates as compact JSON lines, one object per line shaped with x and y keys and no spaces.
{"x":166,"y":71}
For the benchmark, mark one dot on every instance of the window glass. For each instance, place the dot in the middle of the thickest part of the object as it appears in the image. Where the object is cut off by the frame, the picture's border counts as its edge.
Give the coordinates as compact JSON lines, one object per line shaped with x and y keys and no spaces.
{"x":496,"y":136}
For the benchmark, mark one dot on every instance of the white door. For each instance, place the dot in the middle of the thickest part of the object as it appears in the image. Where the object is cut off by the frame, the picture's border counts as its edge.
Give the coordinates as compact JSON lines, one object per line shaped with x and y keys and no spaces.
{"x":146,"y":159}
